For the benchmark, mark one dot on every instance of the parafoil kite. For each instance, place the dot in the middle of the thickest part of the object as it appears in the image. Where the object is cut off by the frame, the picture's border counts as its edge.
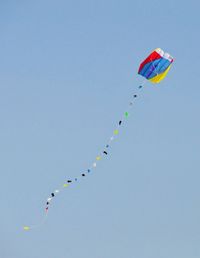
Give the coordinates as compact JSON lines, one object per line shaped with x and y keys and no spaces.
{"x":154,"y":68}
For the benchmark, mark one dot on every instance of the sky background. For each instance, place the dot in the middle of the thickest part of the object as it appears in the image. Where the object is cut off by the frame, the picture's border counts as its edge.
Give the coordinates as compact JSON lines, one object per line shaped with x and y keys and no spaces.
{"x":67,"y":71}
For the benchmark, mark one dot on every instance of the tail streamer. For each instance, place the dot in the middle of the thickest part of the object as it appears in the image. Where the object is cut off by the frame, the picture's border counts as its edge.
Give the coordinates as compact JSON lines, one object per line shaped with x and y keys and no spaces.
{"x":103,"y":153}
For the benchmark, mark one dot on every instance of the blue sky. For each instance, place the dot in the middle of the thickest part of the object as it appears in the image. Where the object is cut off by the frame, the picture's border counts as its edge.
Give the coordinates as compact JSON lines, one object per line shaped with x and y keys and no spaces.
{"x":67,"y":72}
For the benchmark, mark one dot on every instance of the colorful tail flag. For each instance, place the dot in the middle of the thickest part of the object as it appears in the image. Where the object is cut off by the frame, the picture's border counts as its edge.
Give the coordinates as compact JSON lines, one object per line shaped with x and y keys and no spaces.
{"x":154,"y":68}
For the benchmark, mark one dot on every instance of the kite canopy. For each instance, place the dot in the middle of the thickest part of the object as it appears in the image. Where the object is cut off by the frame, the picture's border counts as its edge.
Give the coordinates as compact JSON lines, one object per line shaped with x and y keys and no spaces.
{"x":156,"y":66}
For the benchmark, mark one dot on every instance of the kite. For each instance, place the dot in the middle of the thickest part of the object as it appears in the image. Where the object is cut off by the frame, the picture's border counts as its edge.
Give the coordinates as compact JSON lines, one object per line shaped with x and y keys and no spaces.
{"x":154,"y":69}
{"x":156,"y":66}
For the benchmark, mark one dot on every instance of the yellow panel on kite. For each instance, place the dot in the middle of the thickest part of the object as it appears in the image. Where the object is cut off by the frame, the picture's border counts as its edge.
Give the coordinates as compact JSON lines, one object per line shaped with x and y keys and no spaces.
{"x":160,"y":77}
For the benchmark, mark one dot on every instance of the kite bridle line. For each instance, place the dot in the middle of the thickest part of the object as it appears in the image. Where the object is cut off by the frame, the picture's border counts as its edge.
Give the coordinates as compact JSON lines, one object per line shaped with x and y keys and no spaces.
{"x":155,"y":67}
{"x":100,"y":155}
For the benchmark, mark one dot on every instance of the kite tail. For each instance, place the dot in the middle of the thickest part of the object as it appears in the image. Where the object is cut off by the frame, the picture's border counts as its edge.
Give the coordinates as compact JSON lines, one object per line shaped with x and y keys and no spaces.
{"x":103,"y":153}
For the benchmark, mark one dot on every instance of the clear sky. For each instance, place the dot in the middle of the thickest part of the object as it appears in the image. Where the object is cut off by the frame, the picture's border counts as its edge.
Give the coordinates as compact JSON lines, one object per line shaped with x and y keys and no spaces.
{"x":67,"y":72}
